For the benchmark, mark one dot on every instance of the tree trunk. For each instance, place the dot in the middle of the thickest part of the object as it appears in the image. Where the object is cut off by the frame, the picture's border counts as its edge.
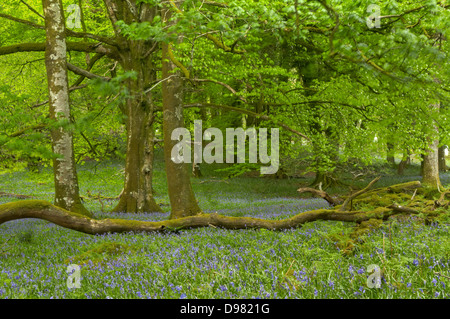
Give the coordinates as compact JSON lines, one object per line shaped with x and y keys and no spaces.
{"x":139,"y":111}
{"x":182,"y":198}
{"x":441,"y":155}
{"x":390,"y":154}
{"x":403,"y":163}
{"x":65,"y":175}
{"x":430,"y":175}
{"x":431,"y":166}
{"x":136,"y":56}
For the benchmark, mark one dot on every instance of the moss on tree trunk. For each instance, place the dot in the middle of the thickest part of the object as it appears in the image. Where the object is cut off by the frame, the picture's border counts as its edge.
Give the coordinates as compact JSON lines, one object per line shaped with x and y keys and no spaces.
{"x":65,"y":175}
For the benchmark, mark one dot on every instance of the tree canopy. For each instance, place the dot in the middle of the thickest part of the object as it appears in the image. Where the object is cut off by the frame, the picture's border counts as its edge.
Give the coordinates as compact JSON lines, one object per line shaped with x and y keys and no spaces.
{"x":344,"y":80}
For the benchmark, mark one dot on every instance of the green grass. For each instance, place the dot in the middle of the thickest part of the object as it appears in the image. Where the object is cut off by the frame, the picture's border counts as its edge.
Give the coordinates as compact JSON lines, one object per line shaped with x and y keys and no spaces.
{"x":213,"y":262}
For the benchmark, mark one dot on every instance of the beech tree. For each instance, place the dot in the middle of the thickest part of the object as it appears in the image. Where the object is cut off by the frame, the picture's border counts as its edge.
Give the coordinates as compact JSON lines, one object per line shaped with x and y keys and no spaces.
{"x":135,"y":57}
{"x":66,"y":181}
{"x":431,"y":159}
{"x":182,"y":198}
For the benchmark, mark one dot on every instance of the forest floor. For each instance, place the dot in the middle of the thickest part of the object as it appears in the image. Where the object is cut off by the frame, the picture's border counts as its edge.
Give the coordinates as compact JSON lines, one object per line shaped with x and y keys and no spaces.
{"x":414,"y":258}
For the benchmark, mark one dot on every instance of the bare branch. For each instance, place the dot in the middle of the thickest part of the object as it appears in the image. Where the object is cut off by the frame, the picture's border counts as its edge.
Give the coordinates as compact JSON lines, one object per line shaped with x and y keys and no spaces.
{"x":332,"y":201}
{"x":85,"y":73}
{"x":229,"y":88}
{"x":32,"y":9}
{"x":69,"y":32}
{"x":29,"y":23}
{"x":360,"y":192}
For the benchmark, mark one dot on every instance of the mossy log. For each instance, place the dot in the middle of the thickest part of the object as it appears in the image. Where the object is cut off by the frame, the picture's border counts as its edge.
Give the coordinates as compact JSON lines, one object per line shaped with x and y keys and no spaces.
{"x":46,"y":211}
{"x":403,"y":188}
{"x":372,"y":207}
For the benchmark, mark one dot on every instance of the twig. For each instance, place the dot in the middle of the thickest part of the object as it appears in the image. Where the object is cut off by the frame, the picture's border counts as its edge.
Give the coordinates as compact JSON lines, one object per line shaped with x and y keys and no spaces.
{"x":211,"y":180}
{"x":19,"y":196}
{"x":438,"y":273}
{"x":3,"y":251}
{"x":353,"y":196}
{"x":160,"y":81}
{"x":415,"y":191}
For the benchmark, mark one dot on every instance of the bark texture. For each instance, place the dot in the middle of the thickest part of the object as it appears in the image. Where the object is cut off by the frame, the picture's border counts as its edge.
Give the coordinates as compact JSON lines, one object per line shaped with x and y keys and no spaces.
{"x":442,"y":162}
{"x":136,"y":56}
{"x":65,"y":175}
{"x":430,"y":168}
{"x":182,"y":198}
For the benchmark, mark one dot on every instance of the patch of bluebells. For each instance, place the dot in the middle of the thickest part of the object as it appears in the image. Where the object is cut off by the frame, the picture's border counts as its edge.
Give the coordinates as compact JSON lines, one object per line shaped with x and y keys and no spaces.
{"x":200,"y":263}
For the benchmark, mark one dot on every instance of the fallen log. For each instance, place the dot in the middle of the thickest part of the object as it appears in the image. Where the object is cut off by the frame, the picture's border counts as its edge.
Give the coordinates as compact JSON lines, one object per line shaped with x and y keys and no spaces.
{"x":46,"y":211}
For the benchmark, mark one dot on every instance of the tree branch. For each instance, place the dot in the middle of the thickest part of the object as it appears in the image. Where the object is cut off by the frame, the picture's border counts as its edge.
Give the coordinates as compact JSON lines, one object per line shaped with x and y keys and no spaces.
{"x":32,"y":9}
{"x":85,"y":73}
{"x":23,"y":131}
{"x":332,"y":201}
{"x":229,"y":88}
{"x":71,"y":46}
{"x":69,"y":32}
{"x":92,"y":61}
{"x":360,"y":192}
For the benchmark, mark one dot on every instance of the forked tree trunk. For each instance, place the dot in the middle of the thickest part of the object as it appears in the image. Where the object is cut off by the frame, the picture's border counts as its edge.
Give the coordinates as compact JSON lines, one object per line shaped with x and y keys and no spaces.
{"x":182,"y":198}
{"x":65,"y":175}
{"x":137,"y":195}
